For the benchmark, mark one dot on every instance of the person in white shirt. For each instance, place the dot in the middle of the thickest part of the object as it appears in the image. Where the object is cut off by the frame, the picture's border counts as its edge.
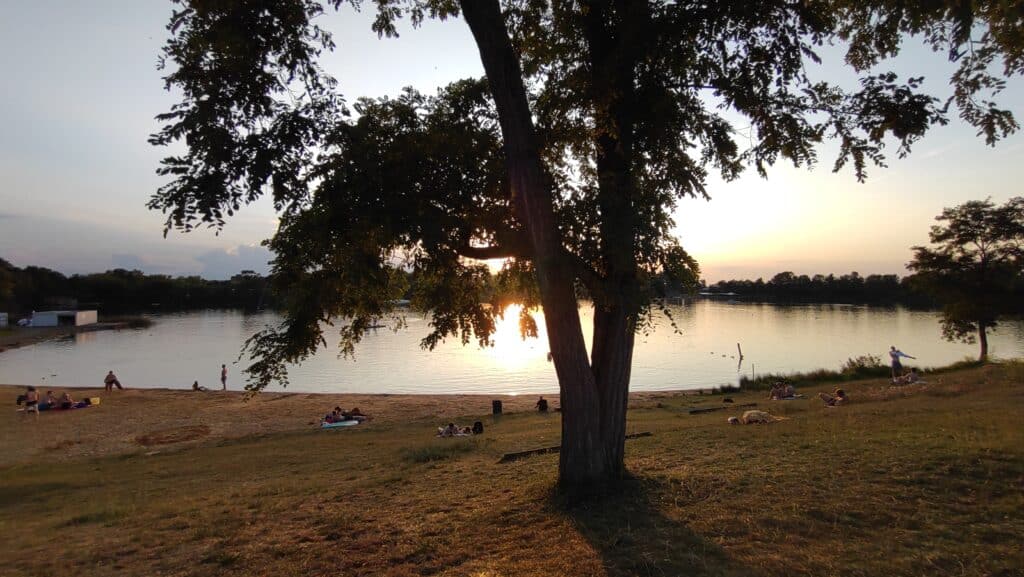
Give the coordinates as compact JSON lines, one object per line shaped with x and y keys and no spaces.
{"x":897,"y":367}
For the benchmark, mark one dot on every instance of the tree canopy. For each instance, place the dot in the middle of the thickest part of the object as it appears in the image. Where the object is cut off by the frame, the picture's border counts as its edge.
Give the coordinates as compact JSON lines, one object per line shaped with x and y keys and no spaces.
{"x":975,"y":267}
{"x":568,"y":159}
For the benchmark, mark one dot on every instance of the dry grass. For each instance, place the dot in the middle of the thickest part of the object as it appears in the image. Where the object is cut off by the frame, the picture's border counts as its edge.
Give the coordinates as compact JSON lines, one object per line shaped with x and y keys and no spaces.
{"x":928,"y":481}
{"x":173,"y":435}
{"x":114,"y":427}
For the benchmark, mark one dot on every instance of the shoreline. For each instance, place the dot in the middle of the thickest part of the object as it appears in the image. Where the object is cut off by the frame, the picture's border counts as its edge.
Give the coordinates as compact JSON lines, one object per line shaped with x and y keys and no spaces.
{"x":127,"y":420}
{"x":704,"y":391}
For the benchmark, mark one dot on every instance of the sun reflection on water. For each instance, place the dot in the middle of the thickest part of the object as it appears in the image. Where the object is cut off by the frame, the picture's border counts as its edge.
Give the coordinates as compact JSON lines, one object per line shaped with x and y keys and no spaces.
{"x":511,"y":351}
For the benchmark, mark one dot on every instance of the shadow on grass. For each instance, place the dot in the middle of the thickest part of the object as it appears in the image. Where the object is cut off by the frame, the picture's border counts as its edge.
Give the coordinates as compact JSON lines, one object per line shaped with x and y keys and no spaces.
{"x":102,"y":517}
{"x":634,"y":537}
{"x":14,"y":495}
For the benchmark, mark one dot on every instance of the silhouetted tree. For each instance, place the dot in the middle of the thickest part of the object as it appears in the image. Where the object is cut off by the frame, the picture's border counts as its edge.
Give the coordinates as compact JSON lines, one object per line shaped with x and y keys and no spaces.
{"x":120,"y":290}
{"x":595,"y":118}
{"x":974,"y":266}
{"x":7,"y":281}
{"x":851,"y":288}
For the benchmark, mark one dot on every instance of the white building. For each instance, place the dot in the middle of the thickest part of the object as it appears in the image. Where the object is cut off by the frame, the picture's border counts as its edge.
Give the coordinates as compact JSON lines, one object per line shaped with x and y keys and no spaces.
{"x":63,"y":318}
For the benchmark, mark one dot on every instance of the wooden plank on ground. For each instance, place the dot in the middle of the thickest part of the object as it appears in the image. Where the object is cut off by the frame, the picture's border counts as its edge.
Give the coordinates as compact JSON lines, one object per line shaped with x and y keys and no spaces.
{"x":723,"y":407}
{"x":508,"y":457}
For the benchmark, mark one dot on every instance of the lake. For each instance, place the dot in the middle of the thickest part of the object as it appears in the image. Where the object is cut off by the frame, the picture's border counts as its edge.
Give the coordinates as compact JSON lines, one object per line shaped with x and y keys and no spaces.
{"x":181,"y":348}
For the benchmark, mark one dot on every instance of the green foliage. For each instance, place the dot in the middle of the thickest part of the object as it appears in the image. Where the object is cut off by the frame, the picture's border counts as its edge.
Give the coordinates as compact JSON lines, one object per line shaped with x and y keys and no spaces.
{"x":862,"y":364}
{"x":855,"y":369}
{"x":633,"y":105}
{"x":244,"y":132}
{"x":975,"y":266}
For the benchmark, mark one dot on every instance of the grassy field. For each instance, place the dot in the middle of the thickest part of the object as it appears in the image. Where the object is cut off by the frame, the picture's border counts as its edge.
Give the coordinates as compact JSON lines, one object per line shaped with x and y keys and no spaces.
{"x":924,"y":479}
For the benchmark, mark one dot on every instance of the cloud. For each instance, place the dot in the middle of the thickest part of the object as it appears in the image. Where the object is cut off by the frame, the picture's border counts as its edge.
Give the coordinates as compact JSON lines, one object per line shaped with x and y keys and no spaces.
{"x":128,"y":261}
{"x":223,"y":264}
{"x":72,"y":247}
{"x":934,"y":152}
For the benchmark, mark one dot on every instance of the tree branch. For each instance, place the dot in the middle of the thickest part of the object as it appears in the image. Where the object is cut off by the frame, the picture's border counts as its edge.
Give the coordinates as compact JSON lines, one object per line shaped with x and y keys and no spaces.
{"x":505,"y":244}
{"x":583,"y":271}
{"x":494,"y":251}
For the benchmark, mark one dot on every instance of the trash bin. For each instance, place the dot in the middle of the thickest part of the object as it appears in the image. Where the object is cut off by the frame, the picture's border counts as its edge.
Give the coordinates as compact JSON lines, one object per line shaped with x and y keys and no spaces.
{"x":496,"y":407}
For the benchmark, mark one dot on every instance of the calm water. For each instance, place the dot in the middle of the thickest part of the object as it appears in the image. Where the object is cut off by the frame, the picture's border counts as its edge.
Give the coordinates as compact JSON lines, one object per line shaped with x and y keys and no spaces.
{"x":181,"y":348}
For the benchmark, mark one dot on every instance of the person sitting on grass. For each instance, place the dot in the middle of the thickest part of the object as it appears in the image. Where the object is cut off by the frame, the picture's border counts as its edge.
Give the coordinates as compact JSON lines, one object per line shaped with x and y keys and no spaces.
{"x":542,"y":404}
{"x":781,"y":391}
{"x":907,"y":379}
{"x":450,"y":431}
{"x":834,"y":400}
{"x":334,"y":416}
{"x":31,"y":401}
{"x":66,"y":402}
{"x":50,"y":402}
{"x":354,"y":415}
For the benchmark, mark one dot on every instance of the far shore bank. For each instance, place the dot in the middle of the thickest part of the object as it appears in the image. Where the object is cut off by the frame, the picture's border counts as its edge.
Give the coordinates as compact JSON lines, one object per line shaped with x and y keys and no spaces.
{"x":16,"y":337}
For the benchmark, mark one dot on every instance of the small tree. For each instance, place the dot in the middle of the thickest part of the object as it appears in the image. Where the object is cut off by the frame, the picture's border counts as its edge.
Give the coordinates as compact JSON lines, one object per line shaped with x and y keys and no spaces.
{"x":973,"y":267}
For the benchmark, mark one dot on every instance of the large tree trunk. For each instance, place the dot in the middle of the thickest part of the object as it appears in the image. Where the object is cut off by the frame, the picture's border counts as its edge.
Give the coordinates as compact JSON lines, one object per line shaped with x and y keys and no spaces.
{"x":584,"y":459}
{"x":612,"y":359}
{"x":612,"y":46}
{"x":983,"y":339}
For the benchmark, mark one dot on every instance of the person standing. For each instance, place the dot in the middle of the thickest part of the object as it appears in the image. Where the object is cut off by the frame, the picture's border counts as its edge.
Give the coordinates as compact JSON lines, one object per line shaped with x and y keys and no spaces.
{"x":897,"y":367}
{"x":224,"y":377}
{"x":110,"y":380}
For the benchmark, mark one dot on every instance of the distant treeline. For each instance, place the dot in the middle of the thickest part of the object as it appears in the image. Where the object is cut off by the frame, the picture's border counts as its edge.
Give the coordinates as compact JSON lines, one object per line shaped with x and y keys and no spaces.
{"x":119,"y":290}
{"x":848,"y":288}
{"x":36,"y":288}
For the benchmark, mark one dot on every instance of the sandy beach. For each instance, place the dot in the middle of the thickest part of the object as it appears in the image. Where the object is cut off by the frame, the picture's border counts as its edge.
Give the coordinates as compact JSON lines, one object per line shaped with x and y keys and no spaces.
{"x":146,"y":420}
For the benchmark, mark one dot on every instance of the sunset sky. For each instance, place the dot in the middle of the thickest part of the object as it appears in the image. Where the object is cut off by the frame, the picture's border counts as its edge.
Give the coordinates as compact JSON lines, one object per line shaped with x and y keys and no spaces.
{"x":80,"y":90}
